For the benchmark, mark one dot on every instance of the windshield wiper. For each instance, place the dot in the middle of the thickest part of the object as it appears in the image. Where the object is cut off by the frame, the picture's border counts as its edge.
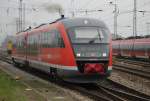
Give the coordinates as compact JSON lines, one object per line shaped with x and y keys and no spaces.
{"x":93,"y":39}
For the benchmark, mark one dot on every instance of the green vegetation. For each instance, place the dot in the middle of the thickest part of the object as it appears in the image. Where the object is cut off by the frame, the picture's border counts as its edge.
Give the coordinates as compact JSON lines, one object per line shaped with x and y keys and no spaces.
{"x":10,"y":89}
{"x":13,"y":90}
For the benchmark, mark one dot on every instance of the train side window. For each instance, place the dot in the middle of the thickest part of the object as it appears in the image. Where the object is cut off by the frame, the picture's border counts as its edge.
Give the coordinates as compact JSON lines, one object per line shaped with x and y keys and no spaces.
{"x":40,"y":40}
{"x":148,"y":48}
{"x":45,"y":40}
{"x":49,"y":39}
{"x":31,"y":42}
{"x":19,"y":43}
{"x":57,"y":36}
{"x":52,"y":39}
{"x":29,"y":45}
{"x":34,"y":42}
{"x":60,"y":41}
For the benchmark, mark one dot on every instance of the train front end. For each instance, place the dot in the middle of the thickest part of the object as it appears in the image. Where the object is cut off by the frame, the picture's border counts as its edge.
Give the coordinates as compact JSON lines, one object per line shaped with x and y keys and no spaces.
{"x":91,"y":46}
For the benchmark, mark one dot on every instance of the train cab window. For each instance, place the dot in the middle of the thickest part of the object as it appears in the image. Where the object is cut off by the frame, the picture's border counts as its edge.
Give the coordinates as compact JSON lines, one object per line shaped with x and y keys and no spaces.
{"x":88,"y":35}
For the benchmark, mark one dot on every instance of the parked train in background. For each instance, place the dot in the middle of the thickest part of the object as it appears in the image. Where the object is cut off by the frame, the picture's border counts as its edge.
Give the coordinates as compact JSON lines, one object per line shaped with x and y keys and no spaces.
{"x":75,"y":49}
{"x":132,"y":47}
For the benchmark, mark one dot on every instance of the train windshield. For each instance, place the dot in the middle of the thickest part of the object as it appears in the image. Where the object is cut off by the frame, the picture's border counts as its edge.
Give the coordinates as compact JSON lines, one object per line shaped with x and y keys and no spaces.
{"x":88,"y":35}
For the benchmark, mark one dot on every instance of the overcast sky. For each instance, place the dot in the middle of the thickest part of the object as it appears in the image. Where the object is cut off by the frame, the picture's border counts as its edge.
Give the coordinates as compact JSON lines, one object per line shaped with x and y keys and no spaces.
{"x":37,"y":13}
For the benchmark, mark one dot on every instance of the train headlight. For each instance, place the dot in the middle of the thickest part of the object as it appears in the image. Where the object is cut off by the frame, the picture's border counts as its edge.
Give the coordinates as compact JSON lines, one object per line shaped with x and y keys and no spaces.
{"x":104,"y":54}
{"x":79,"y":54}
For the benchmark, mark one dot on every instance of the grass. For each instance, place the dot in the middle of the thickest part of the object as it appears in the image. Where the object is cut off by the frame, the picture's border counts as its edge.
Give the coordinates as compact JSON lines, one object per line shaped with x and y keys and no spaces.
{"x":10,"y":89}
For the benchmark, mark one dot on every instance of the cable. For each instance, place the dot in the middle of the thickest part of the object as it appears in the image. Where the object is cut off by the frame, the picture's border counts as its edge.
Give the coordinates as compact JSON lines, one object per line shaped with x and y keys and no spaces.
{"x":146,"y":3}
{"x":87,"y":4}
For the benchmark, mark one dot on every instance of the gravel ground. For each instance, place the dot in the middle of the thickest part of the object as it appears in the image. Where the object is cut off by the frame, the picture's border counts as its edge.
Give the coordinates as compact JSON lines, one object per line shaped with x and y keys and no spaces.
{"x":131,"y":81}
{"x":48,"y":90}
{"x":134,"y":66}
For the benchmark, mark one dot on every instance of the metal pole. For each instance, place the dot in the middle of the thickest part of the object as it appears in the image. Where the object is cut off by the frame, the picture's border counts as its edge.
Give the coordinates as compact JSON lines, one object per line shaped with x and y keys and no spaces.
{"x":115,"y":17}
{"x":148,"y":25}
{"x":24,"y":16}
{"x":20,"y":16}
{"x":135,"y":19}
{"x":73,"y":9}
{"x":115,"y":20}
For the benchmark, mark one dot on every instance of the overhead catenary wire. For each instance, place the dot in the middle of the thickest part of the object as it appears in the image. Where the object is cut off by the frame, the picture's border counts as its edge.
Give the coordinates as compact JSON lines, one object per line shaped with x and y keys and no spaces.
{"x":107,"y":17}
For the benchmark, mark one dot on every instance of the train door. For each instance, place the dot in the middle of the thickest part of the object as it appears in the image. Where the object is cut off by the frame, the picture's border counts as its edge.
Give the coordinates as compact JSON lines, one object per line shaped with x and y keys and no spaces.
{"x":25,"y":46}
{"x":28,"y":38}
{"x":55,"y":51}
{"x":55,"y":44}
{"x":39,"y":45}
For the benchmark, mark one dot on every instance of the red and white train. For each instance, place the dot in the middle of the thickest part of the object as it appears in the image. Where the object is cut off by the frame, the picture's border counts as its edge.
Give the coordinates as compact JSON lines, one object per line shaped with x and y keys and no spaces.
{"x":77,"y":49}
{"x":137,"y":48}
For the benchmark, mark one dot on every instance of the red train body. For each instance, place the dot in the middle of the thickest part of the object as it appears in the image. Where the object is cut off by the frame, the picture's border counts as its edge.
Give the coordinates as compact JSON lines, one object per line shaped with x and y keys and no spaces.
{"x":68,"y":49}
{"x":139,"y":48}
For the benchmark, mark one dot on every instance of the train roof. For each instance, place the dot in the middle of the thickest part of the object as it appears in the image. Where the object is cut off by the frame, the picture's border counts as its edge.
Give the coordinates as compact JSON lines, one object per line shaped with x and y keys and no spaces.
{"x":133,"y":38}
{"x":72,"y":22}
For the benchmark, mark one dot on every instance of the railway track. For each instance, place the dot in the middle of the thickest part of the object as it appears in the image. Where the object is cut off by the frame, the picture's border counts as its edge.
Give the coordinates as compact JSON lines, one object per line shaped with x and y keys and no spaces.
{"x":138,"y":72}
{"x":124,"y":93}
{"x":133,"y":62}
{"x":79,"y":88}
{"x":111,"y":91}
{"x":6,"y":58}
{"x":138,"y":68}
{"x":104,"y":91}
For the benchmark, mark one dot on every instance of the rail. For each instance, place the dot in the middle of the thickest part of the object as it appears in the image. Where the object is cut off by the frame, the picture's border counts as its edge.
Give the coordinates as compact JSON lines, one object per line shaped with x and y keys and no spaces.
{"x":104,"y":91}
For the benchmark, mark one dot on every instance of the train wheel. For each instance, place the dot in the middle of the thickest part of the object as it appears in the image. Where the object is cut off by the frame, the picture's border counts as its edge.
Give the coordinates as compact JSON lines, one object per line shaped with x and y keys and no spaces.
{"x":26,"y":64}
{"x":15,"y":63}
{"x":53,"y":73}
{"x":120,"y":56}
